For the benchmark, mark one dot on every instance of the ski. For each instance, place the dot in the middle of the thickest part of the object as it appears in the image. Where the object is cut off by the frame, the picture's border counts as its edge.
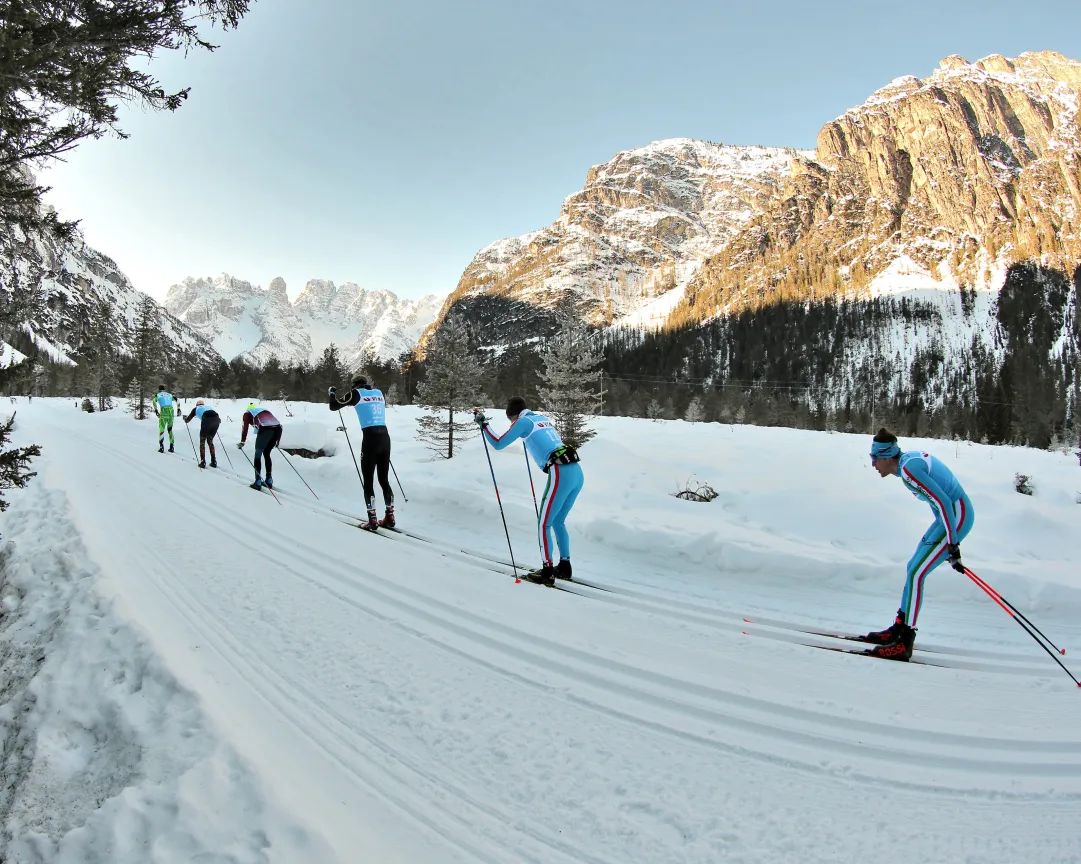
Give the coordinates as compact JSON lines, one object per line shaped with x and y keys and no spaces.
{"x":866,"y":652}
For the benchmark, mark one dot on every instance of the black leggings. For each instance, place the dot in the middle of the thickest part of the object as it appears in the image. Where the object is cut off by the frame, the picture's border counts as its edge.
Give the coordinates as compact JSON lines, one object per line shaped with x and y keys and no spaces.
{"x":208,"y":428}
{"x":265,"y":441}
{"x":375,"y":456}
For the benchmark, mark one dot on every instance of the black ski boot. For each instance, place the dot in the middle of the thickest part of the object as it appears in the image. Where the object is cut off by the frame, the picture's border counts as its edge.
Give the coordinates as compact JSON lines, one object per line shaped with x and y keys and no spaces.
{"x":171,"y":449}
{"x":545,"y":576}
{"x":899,"y":649}
{"x":563,"y":568}
{"x":890,"y":634}
{"x":202,"y":464}
{"x":258,"y":484}
{"x":161,"y":447}
{"x":213,"y":464}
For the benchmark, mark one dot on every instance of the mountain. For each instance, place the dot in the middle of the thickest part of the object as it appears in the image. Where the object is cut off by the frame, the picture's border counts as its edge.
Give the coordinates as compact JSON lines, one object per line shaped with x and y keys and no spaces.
{"x":626,"y":244}
{"x":242,"y":320}
{"x":51,"y":287}
{"x":955,"y":176}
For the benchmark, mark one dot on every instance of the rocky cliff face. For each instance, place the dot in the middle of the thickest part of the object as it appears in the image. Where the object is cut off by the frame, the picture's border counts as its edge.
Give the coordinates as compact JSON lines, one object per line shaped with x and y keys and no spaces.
{"x":626,"y":244}
{"x":243,"y":320}
{"x":979,"y":162}
{"x":70,"y":279}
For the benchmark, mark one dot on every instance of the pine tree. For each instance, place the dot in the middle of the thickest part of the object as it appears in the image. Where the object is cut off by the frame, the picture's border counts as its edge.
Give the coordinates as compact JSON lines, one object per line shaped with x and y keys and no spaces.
{"x":572,"y":375}
{"x":391,"y":396}
{"x":65,"y":68}
{"x":147,"y":345}
{"x":694,"y":412}
{"x":330,"y":371}
{"x":102,"y":337}
{"x":14,"y":462}
{"x":451,"y":386}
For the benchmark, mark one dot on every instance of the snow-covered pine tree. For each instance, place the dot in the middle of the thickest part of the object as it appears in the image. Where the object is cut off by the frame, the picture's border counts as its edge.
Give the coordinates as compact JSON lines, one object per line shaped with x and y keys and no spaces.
{"x":451,"y":386}
{"x":694,"y":413}
{"x":131,"y":394}
{"x":391,"y":396}
{"x":572,"y":379}
{"x":14,"y":461}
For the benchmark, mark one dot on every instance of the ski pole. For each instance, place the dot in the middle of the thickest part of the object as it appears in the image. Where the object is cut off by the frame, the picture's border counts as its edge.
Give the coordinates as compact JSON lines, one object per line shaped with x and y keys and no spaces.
{"x":289,"y":462}
{"x":506,"y":530}
{"x":253,"y":468}
{"x":193,"y":450}
{"x":532,"y":488}
{"x":225,"y":450}
{"x":350,"y":443}
{"x":399,"y":482}
{"x":1013,"y":609}
{"x":1021,"y":620}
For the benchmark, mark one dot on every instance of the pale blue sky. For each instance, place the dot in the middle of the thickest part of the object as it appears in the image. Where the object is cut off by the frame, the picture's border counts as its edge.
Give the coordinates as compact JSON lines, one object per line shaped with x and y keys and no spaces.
{"x":384,"y":143}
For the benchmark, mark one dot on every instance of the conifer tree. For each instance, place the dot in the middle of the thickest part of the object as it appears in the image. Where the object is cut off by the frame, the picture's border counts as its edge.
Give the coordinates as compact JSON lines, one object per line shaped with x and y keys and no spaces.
{"x":65,"y":67}
{"x":694,"y":412}
{"x":572,"y":375}
{"x":14,"y":462}
{"x":451,"y":386}
{"x":147,"y":345}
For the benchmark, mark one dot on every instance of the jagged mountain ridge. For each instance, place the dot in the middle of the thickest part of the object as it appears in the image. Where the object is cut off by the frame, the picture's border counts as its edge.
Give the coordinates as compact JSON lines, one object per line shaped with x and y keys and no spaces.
{"x":954,"y":176}
{"x":69,"y":279}
{"x":628,"y":242}
{"x":244,"y":320}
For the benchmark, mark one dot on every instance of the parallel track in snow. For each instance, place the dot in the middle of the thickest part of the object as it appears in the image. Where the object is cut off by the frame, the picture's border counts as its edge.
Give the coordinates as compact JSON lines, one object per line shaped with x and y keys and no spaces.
{"x":707,"y":716}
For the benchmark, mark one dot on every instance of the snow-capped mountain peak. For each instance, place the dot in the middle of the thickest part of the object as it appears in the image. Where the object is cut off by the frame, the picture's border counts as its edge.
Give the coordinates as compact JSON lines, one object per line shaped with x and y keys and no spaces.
{"x":258,"y":324}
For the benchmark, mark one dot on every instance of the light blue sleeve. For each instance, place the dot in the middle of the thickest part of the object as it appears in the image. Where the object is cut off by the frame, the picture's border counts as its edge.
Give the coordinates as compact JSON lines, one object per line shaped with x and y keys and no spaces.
{"x":519,"y":430}
{"x":916,"y":471}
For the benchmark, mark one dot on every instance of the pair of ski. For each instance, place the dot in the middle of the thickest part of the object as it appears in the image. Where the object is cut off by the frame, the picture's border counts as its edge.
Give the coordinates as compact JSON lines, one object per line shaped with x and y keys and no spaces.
{"x":849,"y":637}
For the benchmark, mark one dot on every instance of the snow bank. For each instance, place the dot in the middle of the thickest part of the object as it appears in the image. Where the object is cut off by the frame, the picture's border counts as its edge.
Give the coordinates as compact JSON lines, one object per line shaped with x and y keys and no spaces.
{"x":306,"y":435}
{"x":105,"y":758}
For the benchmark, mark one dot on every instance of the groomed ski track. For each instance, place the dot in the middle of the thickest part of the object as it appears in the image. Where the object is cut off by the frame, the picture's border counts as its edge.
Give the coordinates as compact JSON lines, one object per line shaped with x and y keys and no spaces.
{"x":409,"y":702}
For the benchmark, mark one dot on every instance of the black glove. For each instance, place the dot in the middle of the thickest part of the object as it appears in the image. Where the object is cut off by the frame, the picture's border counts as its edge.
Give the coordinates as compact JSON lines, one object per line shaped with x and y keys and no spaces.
{"x":331,"y":391}
{"x":955,"y":557}
{"x":479,"y":418}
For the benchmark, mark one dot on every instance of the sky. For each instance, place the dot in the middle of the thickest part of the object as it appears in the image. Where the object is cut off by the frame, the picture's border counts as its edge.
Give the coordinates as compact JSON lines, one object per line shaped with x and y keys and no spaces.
{"x":385,"y":143}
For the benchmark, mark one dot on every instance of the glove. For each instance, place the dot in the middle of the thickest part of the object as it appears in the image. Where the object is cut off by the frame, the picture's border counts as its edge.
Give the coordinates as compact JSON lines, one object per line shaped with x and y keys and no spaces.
{"x":479,"y":418}
{"x":330,"y":391}
{"x":955,"y":557}
{"x":240,"y":446}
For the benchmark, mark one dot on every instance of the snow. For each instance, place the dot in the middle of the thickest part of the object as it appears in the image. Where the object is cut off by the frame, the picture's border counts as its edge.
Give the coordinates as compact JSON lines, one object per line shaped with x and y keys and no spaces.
{"x":10,"y":356}
{"x":351,"y":697}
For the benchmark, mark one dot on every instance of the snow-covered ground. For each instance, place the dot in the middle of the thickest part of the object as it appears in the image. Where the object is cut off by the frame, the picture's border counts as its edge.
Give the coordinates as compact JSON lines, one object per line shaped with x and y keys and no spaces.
{"x":234,"y":679}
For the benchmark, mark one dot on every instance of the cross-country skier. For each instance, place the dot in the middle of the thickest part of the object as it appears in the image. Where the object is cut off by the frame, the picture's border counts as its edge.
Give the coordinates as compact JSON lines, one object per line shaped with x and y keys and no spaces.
{"x":209,"y":421}
{"x":374,"y":448}
{"x":929,"y":480}
{"x":565,"y":478}
{"x":164,"y":405}
{"x":270,"y":433}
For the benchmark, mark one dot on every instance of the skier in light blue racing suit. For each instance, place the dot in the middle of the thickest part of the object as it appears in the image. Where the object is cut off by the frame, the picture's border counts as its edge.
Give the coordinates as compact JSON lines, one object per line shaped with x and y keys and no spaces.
{"x":933,"y":483}
{"x":565,"y":478}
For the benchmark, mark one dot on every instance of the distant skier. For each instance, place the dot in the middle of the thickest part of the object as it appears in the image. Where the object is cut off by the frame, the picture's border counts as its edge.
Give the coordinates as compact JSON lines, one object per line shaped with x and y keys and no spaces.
{"x":374,"y":448}
{"x":565,"y":478}
{"x":929,"y":480}
{"x":270,"y":433}
{"x":209,"y":421}
{"x":164,"y":406}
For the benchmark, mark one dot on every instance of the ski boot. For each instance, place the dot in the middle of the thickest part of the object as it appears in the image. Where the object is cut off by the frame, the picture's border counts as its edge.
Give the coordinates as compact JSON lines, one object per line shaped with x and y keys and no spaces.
{"x":213,"y":464}
{"x":372,"y":524}
{"x":258,"y":484}
{"x":899,"y":649}
{"x":563,"y":569}
{"x":269,"y":482}
{"x":202,"y":464}
{"x":171,"y":449}
{"x":545,"y":576}
{"x":388,"y":519}
{"x":161,"y":447}
{"x":890,"y":634}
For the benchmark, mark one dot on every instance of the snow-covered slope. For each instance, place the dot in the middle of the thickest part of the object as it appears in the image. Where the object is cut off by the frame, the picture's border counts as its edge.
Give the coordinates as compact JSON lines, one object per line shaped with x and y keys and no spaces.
{"x":62,"y":281}
{"x":245,"y":320}
{"x":405,"y":701}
